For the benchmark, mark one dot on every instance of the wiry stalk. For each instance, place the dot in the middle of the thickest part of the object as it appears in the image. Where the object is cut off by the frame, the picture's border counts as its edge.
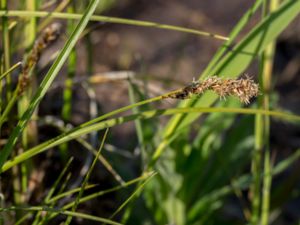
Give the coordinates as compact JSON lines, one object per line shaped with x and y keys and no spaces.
{"x":267,"y":78}
{"x":6,"y":48}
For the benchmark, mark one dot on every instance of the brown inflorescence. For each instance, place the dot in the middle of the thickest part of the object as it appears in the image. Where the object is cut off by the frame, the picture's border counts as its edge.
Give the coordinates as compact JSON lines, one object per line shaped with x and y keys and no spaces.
{"x":47,"y":37}
{"x":243,"y":88}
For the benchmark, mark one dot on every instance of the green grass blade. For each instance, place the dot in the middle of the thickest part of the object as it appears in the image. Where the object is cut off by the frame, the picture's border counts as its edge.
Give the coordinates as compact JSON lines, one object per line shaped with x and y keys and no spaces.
{"x":266,"y":78}
{"x":10,"y":70}
{"x":47,"y":81}
{"x":142,"y":115}
{"x":58,"y":15}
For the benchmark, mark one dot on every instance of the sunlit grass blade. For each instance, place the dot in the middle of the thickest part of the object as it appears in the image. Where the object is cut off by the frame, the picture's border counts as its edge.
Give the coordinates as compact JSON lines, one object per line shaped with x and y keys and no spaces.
{"x":77,"y":132}
{"x":10,"y":70}
{"x":58,"y":15}
{"x":47,"y":81}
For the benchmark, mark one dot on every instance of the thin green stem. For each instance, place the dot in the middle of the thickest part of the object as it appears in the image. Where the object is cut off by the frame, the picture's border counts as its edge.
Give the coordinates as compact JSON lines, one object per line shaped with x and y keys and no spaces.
{"x":256,"y":166}
{"x":6,"y":47}
{"x":10,"y":70}
{"x":67,"y":96}
{"x":58,"y":15}
{"x":30,"y":132}
{"x":68,"y":88}
{"x":267,"y":82}
{"x":256,"y":170}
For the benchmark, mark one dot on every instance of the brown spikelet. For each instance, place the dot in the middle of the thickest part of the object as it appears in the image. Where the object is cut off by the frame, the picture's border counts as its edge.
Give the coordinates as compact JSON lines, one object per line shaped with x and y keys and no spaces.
{"x":243,"y":88}
{"x":47,"y":37}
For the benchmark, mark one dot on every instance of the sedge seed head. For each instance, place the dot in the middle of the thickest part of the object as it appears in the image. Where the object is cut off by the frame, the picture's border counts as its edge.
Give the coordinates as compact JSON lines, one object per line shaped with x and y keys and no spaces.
{"x":243,"y":88}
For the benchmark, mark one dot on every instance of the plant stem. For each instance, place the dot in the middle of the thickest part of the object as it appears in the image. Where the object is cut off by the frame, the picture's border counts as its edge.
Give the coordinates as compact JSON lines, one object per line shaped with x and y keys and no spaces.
{"x":30,"y":132}
{"x":67,"y":95}
{"x":267,"y":77}
{"x":6,"y":48}
{"x":256,"y":166}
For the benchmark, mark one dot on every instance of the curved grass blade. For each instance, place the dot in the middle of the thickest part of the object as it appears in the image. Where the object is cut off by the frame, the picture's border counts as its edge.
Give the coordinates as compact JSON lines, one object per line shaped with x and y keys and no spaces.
{"x":77,"y":132}
{"x":10,"y":70}
{"x":74,"y":16}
